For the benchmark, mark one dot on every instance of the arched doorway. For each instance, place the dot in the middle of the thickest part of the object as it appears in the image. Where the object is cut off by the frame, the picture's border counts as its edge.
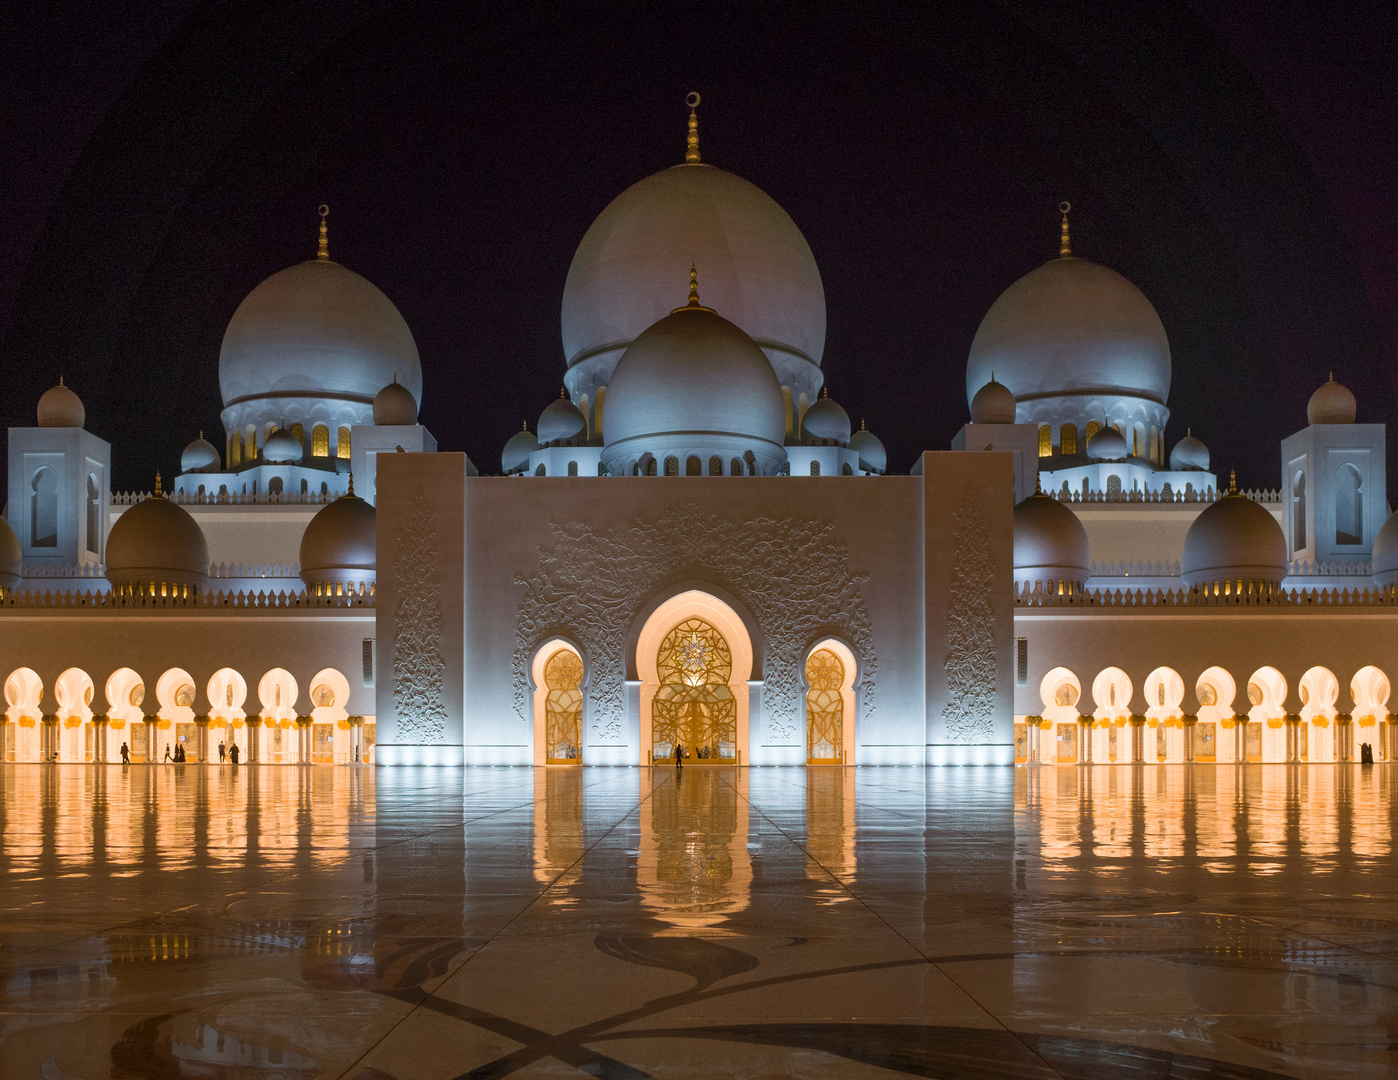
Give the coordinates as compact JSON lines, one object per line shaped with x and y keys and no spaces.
{"x":830,"y":674}
{"x":694,"y":657}
{"x":694,"y":705}
{"x":558,"y":704}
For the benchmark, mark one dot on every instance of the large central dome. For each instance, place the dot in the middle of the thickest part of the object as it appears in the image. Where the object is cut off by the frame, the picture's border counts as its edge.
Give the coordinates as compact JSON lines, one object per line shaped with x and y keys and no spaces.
{"x":756,"y":265}
{"x":314,"y":341}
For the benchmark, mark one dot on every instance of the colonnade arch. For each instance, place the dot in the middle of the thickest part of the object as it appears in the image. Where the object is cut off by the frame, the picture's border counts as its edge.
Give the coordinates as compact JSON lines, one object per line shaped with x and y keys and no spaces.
{"x":1264,"y":717}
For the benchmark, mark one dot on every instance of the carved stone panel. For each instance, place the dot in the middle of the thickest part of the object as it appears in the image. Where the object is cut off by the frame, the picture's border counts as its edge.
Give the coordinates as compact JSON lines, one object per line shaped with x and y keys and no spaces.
{"x":419,"y":670}
{"x":970,"y":660}
{"x":792,"y":575}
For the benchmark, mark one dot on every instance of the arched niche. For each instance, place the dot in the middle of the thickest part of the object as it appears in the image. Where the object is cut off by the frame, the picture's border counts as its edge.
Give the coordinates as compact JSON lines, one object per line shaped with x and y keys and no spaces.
{"x":1370,"y":690}
{"x":683,"y":588}
{"x":665,"y":617}
{"x":849,"y":679}
{"x":1059,"y":691}
{"x":74,"y":689}
{"x":539,"y":679}
{"x":277,"y":691}
{"x":1164,"y":690}
{"x":1111,"y":692}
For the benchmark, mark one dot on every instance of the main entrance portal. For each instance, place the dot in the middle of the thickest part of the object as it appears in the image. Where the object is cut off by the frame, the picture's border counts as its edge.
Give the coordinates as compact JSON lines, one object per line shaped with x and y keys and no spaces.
{"x":694,"y":706}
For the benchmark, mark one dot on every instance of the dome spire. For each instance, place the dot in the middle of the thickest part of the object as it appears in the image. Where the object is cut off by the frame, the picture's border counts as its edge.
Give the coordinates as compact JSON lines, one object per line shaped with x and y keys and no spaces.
{"x":159,"y":494}
{"x":694,"y":304}
{"x":1232,"y":481}
{"x":691,"y":152}
{"x":1065,"y":247}
{"x":323,"y":246}
{"x":350,"y":492}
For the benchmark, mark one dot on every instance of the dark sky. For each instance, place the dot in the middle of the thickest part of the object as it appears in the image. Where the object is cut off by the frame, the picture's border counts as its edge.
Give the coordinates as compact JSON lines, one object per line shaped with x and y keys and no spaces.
{"x":1239,"y":162}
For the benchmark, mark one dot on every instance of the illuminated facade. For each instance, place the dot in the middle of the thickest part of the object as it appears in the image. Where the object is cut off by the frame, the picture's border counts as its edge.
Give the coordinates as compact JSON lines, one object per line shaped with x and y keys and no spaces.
{"x":694,"y":550}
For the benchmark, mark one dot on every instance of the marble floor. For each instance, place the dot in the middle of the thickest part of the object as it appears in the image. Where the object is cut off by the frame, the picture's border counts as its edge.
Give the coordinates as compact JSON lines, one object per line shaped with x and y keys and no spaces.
{"x":1163,"y":921}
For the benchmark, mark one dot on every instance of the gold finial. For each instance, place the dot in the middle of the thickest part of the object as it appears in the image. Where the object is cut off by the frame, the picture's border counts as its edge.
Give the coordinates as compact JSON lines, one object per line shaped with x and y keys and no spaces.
{"x":861,"y":424}
{"x":562,"y":392}
{"x":323,"y":247}
{"x":60,"y":380}
{"x":694,"y":304}
{"x":526,"y":426}
{"x":350,"y":493}
{"x":825,"y":391}
{"x":1332,"y":377}
{"x":1232,"y":482}
{"x":1038,"y":490}
{"x":1065,"y":248}
{"x":691,"y":152}
{"x":159,"y":494}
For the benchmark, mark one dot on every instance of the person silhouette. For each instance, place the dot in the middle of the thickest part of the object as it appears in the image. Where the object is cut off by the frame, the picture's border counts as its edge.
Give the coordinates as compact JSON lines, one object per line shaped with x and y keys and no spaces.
{"x":679,"y":756}
{"x":222,"y":751}
{"x":125,"y":754}
{"x":168,"y":756}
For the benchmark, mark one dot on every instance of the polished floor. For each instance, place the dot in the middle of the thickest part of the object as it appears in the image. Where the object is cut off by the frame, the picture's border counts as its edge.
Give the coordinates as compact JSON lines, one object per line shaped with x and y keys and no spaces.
{"x":1161,"y":921}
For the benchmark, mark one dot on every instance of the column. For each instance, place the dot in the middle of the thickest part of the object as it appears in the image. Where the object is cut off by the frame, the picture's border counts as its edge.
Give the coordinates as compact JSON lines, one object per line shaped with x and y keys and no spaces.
{"x":49,"y":738}
{"x":1084,"y":740}
{"x":1293,"y":737}
{"x":254,"y":739}
{"x":201,"y":739}
{"x":153,"y":751}
{"x":99,"y":737}
{"x":303,"y":740}
{"x":1344,"y":736}
{"x":1138,"y":739}
{"x":4,"y":737}
{"x":356,"y":732}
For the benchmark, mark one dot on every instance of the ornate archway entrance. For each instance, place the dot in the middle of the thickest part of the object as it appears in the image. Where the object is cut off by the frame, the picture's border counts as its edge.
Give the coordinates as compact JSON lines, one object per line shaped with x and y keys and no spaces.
{"x":825,"y":708}
{"x":694,"y":706}
{"x":563,"y":674}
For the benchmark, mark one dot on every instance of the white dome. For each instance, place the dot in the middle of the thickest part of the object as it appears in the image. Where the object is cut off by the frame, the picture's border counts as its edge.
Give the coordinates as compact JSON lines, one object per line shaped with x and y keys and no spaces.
{"x":560,"y":421}
{"x":1050,"y":543}
{"x":825,"y":419}
{"x":60,"y":407}
{"x":1234,"y":539}
{"x":993,"y":404}
{"x":872,"y":455}
{"x":314,"y":333}
{"x":1108,"y":444}
{"x":395,"y":406}
{"x":199,"y":455}
{"x":1331,"y":404}
{"x":1385,"y":569}
{"x":517,"y":450}
{"x":157,"y":542}
{"x":1072,"y":328}
{"x":756,"y":266}
{"x":282,"y":446}
{"x":340,"y":545}
{"x":1189,"y":453}
{"x":694,"y":381}
{"x":11,"y":558}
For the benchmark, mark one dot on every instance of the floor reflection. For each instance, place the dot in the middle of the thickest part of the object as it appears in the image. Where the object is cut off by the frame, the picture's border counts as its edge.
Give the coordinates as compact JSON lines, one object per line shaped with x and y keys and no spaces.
{"x":823,"y":922}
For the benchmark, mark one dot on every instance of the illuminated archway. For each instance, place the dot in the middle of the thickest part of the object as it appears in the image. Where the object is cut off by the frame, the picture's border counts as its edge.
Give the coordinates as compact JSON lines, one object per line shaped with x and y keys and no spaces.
{"x":1265,"y":736}
{"x":1060,"y":691}
{"x":1164,"y":692}
{"x":126,"y":694}
{"x":175,"y":693}
{"x":1214,"y":737}
{"x":697,"y":650}
{"x":830,"y":671}
{"x":558,"y":674}
{"x":227,"y":692}
{"x":276,"y":691}
{"x":1319,"y":690}
{"x":74,"y":690}
{"x":24,"y":693}
{"x":1370,"y":690}
{"x":329,"y":717}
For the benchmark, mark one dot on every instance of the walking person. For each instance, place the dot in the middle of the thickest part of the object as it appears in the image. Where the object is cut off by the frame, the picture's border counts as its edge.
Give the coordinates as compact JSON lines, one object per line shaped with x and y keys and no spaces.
{"x":679,"y":756}
{"x":222,"y":751}
{"x":233,"y":753}
{"x":125,"y":754}
{"x":167,"y":753}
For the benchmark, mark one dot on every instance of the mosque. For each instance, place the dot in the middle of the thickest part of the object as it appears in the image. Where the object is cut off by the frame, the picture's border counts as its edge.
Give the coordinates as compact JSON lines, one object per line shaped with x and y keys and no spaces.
{"x":694,"y":551}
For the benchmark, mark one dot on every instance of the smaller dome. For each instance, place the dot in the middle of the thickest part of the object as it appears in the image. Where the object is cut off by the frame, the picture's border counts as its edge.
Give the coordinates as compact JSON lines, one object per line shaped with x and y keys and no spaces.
{"x":1331,"y":404}
{"x":866,"y":444}
{"x":1234,"y":539}
{"x":60,"y":407}
{"x":11,"y":559}
{"x":199,"y":455}
{"x":1107,"y":445}
{"x":395,"y":406}
{"x":1050,"y":542}
{"x":562,"y":420}
{"x":517,"y":450}
{"x":339,"y":546}
{"x":282,"y":446}
{"x":1189,"y":453}
{"x":1385,"y":552}
{"x":825,"y":419}
{"x":993,"y":404}
{"x":157,"y":544}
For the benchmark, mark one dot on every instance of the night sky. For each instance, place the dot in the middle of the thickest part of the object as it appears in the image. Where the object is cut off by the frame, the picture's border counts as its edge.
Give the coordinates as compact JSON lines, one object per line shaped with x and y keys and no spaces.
{"x":1238,"y":162}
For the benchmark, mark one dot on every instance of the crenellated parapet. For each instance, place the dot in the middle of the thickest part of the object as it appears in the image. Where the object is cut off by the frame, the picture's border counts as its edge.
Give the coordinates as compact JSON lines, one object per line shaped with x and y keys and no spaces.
{"x":16,"y":600}
{"x":1039,"y":594}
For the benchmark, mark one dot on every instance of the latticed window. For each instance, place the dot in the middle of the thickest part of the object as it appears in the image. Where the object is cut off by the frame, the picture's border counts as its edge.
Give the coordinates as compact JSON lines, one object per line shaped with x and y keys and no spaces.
{"x":693,"y":466}
{"x":320,"y":441}
{"x":300,"y":433}
{"x":1093,"y":427}
{"x":563,"y":674}
{"x":735,"y":467}
{"x":694,"y":707}
{"x":342,"y":446}
{"x":715,"y":466}
{"x":1068,"y":440}
{"x":815,"y":468}
{"x":672,"y":466}
{"x":572,"y":468}
{"x":825,"y":707}
{"x":1045,"y":441}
